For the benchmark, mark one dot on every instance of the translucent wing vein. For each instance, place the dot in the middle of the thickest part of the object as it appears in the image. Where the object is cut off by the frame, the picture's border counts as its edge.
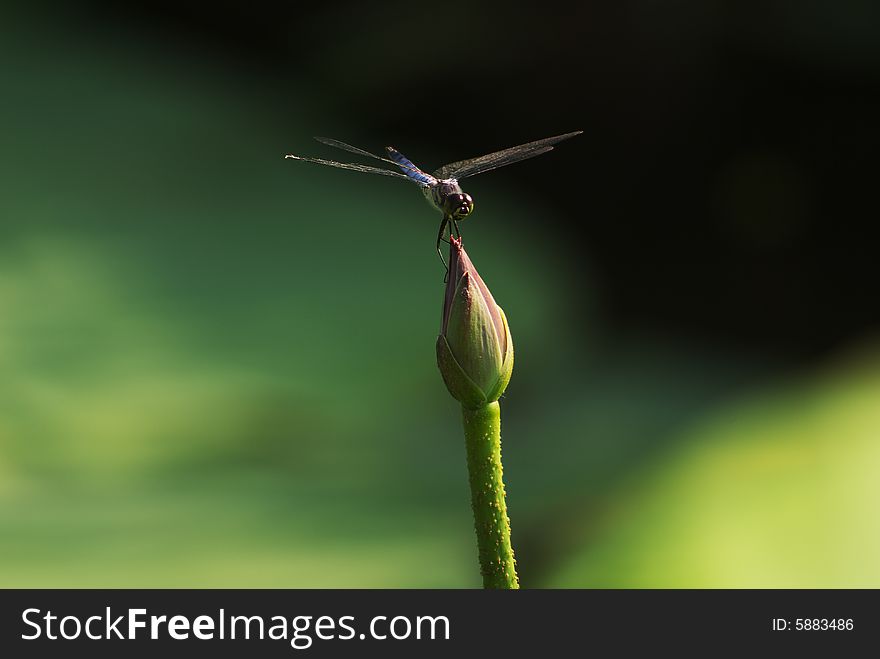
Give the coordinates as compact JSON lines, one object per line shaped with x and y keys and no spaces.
{"x":474,"y":166}
{"x":352,"y":166}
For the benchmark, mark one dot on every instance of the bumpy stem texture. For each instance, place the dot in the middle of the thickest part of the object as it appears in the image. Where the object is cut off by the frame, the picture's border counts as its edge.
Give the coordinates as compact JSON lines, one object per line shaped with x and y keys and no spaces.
{"x":482,"y":433}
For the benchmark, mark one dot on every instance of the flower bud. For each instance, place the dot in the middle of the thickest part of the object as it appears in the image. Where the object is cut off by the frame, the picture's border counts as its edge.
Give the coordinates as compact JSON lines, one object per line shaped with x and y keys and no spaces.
{"x":474,"y":349}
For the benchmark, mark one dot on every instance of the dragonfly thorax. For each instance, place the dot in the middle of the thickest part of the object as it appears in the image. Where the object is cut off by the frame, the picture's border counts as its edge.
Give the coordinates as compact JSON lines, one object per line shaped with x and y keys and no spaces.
{"x":448,"y":197}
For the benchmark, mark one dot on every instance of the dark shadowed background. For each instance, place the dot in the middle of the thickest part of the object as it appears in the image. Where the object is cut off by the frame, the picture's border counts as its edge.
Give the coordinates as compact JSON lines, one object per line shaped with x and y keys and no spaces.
{"x":217,"y":365}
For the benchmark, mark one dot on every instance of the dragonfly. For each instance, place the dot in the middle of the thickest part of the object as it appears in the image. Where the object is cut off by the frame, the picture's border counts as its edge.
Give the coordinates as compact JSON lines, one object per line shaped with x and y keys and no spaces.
{"x":441,"y":188}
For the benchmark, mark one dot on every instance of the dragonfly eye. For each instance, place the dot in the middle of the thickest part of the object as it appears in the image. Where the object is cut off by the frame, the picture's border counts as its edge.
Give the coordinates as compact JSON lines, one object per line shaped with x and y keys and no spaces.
{"x":464,"y":205}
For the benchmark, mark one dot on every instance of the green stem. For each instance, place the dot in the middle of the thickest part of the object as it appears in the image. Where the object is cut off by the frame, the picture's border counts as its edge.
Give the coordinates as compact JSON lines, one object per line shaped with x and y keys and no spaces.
{"x":482,"y":435}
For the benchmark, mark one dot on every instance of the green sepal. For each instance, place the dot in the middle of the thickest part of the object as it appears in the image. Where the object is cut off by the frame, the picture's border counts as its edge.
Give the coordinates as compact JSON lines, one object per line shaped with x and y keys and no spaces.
{"x":506,"y":366}
{"x":462,"y":388}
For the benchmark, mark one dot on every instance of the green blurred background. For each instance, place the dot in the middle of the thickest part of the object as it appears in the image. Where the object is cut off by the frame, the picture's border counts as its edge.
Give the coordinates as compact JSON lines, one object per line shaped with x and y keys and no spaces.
{"x":217,"y":366}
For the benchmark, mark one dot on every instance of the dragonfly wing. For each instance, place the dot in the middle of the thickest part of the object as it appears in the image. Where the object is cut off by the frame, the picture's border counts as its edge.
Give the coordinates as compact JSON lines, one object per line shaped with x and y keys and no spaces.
{"x":329,"y":141}
{"x":408,"y":168}
{"x":352,"y":166}
{"x":474,"y":166}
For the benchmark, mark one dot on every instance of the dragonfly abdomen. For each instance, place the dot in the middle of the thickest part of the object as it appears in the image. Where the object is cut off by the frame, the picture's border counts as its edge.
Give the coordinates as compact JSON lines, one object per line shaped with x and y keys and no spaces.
{"x":408,"y":168}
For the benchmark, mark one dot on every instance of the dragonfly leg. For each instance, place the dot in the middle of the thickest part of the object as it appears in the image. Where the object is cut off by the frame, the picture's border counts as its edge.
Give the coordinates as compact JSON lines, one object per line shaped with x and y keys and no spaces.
{"x":440,"y":239}
{"x":455,"y":226}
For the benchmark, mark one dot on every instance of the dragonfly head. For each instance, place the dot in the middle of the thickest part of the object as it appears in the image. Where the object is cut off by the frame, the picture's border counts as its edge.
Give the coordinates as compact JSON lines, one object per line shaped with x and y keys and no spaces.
{"x":459,"y":205}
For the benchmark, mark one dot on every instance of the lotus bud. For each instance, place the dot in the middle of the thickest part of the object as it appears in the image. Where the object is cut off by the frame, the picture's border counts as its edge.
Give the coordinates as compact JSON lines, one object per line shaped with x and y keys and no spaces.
{"x":474,"y":349}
